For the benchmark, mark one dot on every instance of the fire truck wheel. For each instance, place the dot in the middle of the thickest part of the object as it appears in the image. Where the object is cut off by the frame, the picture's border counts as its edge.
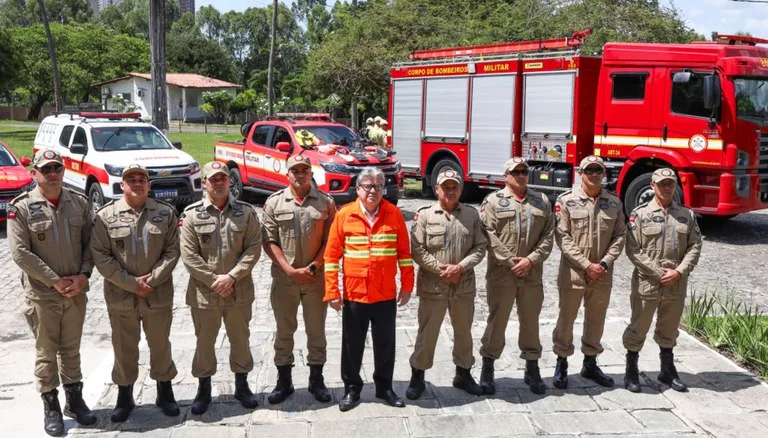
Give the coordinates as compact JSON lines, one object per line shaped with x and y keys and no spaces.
{"x":235,"y":183}
{"x":639,"y":192}
{"x":446,"y":164}
{"x":95,"y":196}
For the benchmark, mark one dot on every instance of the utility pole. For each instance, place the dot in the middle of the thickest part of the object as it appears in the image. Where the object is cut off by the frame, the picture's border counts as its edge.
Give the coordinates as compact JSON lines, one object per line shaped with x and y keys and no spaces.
{"x":157,"y":54}
{"x":270,"y":69}
{"x":52,"y":53}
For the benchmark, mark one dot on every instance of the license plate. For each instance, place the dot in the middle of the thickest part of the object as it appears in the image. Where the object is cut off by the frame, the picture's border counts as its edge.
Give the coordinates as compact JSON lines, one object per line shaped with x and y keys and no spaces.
{"x":163,"y":194}
{"x":3,"y":205}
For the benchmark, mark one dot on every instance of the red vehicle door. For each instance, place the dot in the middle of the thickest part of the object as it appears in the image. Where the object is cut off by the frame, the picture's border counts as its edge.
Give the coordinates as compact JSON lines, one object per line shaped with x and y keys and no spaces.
{"x":254,"y":151}
{"x":624,"y":115}
{"x":274,"y":166}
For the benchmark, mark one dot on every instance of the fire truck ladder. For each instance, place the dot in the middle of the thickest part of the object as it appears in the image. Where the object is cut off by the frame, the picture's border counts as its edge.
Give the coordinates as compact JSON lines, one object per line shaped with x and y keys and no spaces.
{"x":573,"y":42}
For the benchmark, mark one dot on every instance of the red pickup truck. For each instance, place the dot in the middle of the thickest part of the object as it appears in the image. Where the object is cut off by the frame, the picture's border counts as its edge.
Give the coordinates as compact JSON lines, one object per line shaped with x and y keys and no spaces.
{"x":258,"y":163}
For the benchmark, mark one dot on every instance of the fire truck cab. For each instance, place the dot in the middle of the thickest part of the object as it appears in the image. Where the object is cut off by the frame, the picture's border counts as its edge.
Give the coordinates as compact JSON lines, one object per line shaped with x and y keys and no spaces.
{"x":699,"y":108}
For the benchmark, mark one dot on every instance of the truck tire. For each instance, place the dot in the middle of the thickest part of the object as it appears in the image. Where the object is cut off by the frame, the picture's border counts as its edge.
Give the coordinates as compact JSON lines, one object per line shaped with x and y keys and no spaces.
{"x":445,"y":164}
{"x":95,"y":196}
{"x":639,"y":192}
{"x":235,"y":184}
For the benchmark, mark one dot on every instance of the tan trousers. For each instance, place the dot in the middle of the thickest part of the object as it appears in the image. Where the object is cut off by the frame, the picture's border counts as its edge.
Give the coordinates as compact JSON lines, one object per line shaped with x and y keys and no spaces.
{"x":286,"y":298}
{"x":58,"y":327}
{"x":670,"y":310}
{"x":502,"y":295}
{"x":596,"y":301}
{"x":126,"y":328}
{"x":431,"y":314}
{"x":207,"y":324}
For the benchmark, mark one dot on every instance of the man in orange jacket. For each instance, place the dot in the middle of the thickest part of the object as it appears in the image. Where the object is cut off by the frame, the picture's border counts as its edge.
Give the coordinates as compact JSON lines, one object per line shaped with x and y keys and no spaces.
{"x":371,"y":237}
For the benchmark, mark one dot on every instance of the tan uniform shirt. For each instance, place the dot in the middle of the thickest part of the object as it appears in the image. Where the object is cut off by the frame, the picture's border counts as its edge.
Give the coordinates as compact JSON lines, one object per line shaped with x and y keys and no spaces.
{"x":126,"y":246}
{"x":217,"y":242}
{"x":517,"y":229}
{"x":659,"y":239}
{"x":588,"y":231}
{"x":440,"y":238}
{"x":299,"y":229}
{"x":50,"y":242}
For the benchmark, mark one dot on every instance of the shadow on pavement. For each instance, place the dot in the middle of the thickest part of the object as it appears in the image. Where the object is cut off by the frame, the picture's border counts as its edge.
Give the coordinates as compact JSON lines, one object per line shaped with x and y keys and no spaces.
{"x":744,"y":229}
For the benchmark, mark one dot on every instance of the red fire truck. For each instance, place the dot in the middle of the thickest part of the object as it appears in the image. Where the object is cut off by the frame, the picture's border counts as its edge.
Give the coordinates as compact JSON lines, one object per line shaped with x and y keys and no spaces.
{"x":700,"y":108}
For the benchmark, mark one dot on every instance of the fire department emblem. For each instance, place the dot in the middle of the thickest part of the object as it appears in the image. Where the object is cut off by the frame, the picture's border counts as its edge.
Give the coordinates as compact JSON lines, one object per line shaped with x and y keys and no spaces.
{"x":216,"y":165}
{"x":49,"y":155}
{"x":698,"y":143}
{"x":666,"y":172}
{"x":276,"y":166}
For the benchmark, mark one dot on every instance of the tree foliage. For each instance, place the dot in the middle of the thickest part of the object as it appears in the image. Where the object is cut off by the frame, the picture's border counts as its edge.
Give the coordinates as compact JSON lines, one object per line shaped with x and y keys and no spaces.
{"x":217,"y":104}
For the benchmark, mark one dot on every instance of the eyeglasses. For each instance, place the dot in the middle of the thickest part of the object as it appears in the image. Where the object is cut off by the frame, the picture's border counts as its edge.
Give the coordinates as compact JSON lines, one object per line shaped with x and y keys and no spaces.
{"x":518,"y":172}
{"x":593,"y":171}
{"x":56,"y":168}
{"x":136,"y":180}
{"x":371,"y":187}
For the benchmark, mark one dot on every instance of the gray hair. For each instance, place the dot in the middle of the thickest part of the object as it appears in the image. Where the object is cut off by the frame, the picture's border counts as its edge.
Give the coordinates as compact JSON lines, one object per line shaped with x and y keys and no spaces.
{"x":371,"y":173}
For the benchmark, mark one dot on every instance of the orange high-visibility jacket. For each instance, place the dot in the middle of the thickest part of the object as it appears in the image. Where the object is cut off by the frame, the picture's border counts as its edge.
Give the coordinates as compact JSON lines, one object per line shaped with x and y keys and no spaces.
{"x":371,"y":254}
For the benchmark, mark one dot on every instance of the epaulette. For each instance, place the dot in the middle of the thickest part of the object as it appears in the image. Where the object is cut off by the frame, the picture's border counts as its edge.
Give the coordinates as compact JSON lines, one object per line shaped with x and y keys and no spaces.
{"x":278,"y":193}
{"x":568,"y":192}
{"x":640,"y":206}
{"x":610,"y":192}
{"x":169,"y":205}
{"x":74,"y":192}
{"x":194,"y":205}
{"x":111,"y":201}
{"x":19,"y":198}
{"x":423,"y":207}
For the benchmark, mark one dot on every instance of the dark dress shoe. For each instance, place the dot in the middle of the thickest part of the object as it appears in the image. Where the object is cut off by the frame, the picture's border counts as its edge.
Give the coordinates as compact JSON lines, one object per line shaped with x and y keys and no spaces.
{"x":392,"y":399}
{"x":350,"y":400}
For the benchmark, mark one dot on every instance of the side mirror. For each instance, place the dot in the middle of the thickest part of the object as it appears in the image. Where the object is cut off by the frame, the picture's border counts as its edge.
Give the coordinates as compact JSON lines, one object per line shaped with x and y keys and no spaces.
{"x":711,"y":88}
{"x":25,"y":161}
{"x":78,"y":148}
{"x":681,"y":77}
{"x":283,"y":146}
{"x":177,"y":145}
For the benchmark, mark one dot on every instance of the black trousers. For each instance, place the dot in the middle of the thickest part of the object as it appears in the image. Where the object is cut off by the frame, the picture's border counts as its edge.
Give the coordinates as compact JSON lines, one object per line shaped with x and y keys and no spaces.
{"x":355,"y":318}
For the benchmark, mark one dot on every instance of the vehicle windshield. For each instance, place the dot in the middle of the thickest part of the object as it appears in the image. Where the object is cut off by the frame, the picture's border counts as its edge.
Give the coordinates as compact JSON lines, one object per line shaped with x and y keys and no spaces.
{"x":128,"y":138}
{"x":6,"y":159}
{"x":309,"y":136}
{"x":751,"y":97}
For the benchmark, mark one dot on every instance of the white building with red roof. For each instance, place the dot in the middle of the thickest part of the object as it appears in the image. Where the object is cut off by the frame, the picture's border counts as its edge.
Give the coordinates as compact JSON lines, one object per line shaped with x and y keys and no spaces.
{"x":184,"y":91}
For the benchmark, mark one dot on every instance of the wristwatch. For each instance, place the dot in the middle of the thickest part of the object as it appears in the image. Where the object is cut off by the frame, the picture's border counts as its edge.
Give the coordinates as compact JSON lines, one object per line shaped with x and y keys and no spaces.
{"x":87,"y":274}
{"x":603,"y":264}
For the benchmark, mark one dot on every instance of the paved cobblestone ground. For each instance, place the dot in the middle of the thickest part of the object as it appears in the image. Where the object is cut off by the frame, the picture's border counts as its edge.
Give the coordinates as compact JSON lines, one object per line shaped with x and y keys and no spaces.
{"x":724,"y":400}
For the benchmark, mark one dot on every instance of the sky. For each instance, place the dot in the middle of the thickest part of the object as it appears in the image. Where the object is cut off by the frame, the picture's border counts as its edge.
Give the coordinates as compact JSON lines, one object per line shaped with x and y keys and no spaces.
{"x":704,"y":16}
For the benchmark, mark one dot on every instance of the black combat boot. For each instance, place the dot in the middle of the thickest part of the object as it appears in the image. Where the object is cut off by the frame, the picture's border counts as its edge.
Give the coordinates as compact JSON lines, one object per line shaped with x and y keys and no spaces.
{"x":317,"y":384}
{"x":668,"y":372}
{"x":284,"y":386}
{"x":165,"y":399}
{"x":417,"y":385}
{"x":243,"y":392}
{"x":486,"y":377}
{"x":463,"y":380}
{"x":203,"y":397}
{"x":53,"y":422}
{"x":75,"y":406}
{"x":591,"y":371}
{"x":560,"y":379}
{"x":532,"y":377}
{"x":124,"y":405}
{"x":631,"y":374}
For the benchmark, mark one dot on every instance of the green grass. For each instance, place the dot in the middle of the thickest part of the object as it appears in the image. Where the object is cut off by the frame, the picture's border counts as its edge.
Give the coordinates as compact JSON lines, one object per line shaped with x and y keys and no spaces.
{"x":20,"y":140}
{"x":19,"y":122}
{"x":731,"y":326}
{"x":197,"y":144}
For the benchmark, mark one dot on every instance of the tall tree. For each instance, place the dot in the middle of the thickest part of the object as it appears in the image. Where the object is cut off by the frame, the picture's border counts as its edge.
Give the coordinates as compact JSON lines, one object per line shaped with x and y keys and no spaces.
{"x":10,"y":64}
{"x":270,"y":89}
{"x":157,"y":53}
{"x":189,"y":51}
{"x":52,"y":53}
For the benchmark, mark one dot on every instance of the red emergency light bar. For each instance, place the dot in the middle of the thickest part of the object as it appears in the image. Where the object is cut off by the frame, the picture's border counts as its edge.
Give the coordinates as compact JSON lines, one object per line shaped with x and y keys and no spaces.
{"x":305,"y":116}
{"x":748,"y":40}
{"x":573,"y":42}
{"x":108,"y":115}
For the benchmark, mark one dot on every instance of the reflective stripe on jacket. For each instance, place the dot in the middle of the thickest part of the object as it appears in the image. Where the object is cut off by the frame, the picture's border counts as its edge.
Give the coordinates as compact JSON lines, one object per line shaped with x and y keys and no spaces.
{"x":371,"y":255}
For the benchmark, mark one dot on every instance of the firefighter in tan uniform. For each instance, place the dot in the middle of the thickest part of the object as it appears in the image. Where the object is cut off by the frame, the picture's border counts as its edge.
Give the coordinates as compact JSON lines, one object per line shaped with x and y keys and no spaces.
{"x":135,"y":245}
{"x":664,"y":243}
{"x":220,"y":245}
{"x":447,"y":242}
{"x":296,"y":223}
{"x":520,"y":226}
{"x":49,"y":230}
{"x":590,"y":232}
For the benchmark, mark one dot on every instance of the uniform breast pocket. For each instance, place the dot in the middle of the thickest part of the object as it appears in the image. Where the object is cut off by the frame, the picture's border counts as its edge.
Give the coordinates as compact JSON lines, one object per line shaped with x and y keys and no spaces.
{"x":318,"y":217}
{"x":651,"y":238}
{"x":506,"y":221}
{"x":119,"y":235}
{"x":608,"y":219}
{"x":579,"y":221}
{"x":41,"y":233}
{"x":156,"y":234}
{"x":286,"y":222}
{"x":205,"y":234}
{"x":436,"y":236}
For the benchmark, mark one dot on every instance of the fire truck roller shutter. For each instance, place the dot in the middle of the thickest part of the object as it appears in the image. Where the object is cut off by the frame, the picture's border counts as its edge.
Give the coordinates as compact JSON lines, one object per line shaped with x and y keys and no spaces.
{"x":406,"y":122}
{"x":490,"y":138}
{"x":548,"y":104}
{"x":446,"y":111}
